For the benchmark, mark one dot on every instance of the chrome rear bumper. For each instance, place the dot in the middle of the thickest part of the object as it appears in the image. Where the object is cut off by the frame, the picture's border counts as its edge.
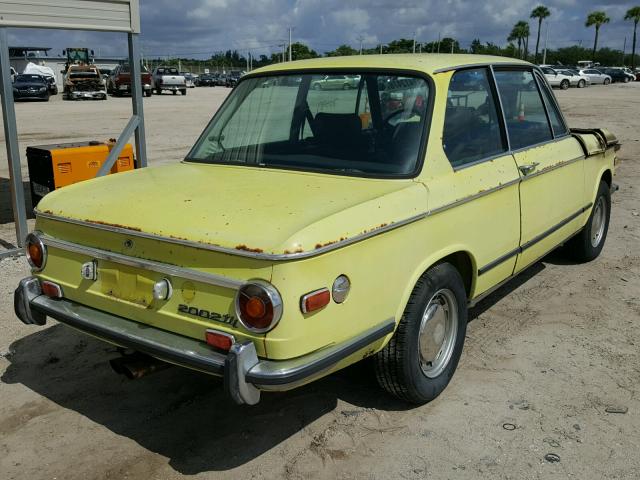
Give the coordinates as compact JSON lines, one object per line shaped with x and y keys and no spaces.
{"x":245,"y":375}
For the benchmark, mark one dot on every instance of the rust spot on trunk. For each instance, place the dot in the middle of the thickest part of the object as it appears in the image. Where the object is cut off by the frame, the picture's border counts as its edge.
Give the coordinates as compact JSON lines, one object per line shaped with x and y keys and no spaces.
{"x":244,"y":248}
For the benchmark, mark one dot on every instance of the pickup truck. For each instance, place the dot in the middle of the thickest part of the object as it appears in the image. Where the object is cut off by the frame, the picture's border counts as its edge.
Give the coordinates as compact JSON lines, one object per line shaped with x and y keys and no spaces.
{"x":168,"y":78}
{"x":119,"y":81}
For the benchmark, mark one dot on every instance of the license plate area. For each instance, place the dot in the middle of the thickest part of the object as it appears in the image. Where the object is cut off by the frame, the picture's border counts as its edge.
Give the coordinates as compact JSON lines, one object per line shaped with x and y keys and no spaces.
{"x":125,"y":283}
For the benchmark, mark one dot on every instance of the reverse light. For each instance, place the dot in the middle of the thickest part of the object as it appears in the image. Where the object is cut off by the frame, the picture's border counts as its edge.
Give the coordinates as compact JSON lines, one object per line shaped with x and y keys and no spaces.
{"x":222,"y":341}
{"x":35,"y":251}
{"x":315,"y":300}
{"x":340,"y":289}
{"x":50,"y":289}
{"x":162,"y":289}
{"x":258,"y":306}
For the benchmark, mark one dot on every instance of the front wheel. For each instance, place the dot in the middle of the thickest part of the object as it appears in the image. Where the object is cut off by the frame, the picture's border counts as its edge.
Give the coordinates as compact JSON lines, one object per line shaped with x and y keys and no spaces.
{"x":626,"y":79}
{"x":607,"y":81}
{"x":588,"y":244}
{"x":148,"y":93}
{"x":564,"y":84}
{"x":581,"y":84}
{"x":183,"y":91}
{"x":421,"y":357}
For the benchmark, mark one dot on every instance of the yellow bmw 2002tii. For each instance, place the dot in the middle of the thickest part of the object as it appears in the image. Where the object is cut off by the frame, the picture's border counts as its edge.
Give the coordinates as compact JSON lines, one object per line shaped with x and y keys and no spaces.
{"x":310,"y":228}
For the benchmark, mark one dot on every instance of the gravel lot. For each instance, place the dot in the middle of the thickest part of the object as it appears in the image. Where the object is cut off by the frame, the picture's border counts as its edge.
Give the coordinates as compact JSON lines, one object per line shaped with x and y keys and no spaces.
{"x":544,"y":359}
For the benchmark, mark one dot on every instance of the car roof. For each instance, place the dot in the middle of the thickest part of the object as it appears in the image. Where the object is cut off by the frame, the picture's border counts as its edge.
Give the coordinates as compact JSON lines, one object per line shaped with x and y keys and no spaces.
{"x":422,"y":62}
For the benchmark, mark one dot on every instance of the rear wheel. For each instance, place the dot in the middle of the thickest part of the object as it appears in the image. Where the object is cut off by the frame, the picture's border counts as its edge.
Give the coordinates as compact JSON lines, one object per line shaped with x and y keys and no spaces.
{"x":607,"y":81}
{"x":564,"y":84}
{"x":421,"y":357}
{"x":588,"y":244}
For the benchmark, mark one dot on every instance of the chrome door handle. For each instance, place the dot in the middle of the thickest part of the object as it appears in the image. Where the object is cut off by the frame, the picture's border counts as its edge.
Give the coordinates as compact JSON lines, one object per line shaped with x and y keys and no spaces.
{"x":528,"y":168}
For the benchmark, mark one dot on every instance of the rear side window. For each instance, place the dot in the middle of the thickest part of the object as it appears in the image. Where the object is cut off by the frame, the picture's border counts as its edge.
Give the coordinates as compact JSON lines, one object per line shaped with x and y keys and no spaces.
{"x":557,"y":124}
{"x":471,"y":127}
{"x":524,"y":111}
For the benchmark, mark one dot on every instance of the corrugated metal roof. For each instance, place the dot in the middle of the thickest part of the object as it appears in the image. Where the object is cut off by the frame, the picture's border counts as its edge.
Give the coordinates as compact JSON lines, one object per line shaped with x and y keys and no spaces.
{"x":108,"y":15}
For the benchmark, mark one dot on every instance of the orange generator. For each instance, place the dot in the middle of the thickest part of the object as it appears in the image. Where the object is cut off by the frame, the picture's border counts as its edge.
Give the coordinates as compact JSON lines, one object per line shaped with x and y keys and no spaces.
{"x":59,"y":165}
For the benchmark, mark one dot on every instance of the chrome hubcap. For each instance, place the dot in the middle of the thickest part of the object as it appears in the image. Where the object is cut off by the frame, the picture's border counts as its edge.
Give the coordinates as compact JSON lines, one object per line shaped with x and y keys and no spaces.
{"x":438,"y":330}
{"x":598,"y":222}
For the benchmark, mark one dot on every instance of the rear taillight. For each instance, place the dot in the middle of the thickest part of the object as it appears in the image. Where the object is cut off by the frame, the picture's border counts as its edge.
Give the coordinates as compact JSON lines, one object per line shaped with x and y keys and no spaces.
{"x":36,"y":251}
{"x":258,"y":306}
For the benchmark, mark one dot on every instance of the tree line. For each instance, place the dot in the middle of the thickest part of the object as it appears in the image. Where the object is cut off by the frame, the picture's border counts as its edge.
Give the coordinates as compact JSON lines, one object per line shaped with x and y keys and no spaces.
{"x":518,"y":46}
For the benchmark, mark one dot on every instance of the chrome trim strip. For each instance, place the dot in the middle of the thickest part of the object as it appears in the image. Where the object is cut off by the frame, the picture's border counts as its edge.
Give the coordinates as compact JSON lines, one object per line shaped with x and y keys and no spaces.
{"x":164,"y":268}
{"x":533,"y":241}
{"x":288,"y":373}
{"x":481,"y":65}
{"x":552,"y":168}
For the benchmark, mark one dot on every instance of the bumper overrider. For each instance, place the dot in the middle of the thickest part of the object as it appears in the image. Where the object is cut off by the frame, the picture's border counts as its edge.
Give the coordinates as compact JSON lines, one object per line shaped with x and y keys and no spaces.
{"x":245,"y":375}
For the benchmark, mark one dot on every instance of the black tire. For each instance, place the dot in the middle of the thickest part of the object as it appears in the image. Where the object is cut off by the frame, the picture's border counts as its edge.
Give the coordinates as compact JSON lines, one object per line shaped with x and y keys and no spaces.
{"x":158,"y":91}
{"x":184,"y":91}
{"x":564,"y":84}
{"x":399,"y":365}
{"x":175,"y":92}
{"x":148,"y":93}
{"x":607,"y":81}
{"x":582,"y":84}
{"x":588,"y":244}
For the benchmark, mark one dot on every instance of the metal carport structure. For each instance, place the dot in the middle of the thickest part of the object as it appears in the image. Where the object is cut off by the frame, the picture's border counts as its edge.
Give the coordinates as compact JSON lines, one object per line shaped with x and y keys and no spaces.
{"x":98,"y":15}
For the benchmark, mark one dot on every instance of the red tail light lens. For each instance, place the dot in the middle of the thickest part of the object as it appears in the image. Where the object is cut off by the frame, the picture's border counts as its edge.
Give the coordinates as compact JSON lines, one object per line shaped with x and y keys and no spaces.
{"x":258,"y":306}
{"x":36,"y":251}
{"x":315,"y":300}
{"x":222,"y":341}
{"x":50,"y":289}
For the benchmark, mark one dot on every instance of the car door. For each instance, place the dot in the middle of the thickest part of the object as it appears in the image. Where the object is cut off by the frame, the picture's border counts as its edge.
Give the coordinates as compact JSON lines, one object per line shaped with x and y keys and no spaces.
{"x":552,"y":194}
{"x":483,"y":177}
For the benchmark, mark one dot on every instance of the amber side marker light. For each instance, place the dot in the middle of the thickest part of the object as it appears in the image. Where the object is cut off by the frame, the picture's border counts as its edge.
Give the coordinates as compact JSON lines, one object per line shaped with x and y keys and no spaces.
{"x":219,"y":340}
{"x":35,"y":251}
{"x":315,"y":300}
{"x":50,"y":289}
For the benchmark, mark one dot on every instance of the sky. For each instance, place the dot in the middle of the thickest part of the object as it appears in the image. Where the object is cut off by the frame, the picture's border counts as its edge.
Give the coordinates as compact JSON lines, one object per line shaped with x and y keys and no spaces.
{"x":198,"y":28}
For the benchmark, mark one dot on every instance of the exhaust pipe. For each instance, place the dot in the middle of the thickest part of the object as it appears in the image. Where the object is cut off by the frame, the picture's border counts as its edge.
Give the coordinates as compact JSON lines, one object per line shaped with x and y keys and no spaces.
{"x":137,"y":365}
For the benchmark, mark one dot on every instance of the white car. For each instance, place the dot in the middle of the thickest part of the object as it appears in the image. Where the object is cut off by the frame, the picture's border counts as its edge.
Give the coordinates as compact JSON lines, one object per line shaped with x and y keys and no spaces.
{"x":556,"y":79}
{"x":575,"y":78}
{"x":596,"y":76}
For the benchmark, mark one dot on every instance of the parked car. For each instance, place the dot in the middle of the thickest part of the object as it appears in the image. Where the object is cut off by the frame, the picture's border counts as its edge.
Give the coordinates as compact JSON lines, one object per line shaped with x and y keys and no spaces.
{"x":556,"y":78}
{"x":232,"y":79}
{"x":293,"y":242}
{"x":119,"y":81}
{"x":636,"y":72}
{"x":206,"y":80}
{"x":30,"y":87}
{"x":189,"y":80}
{"x":168,"y":78}
{"x":48,"y":74}
{"x":596,"y":76}
{"x":335,"y":82}
{"x":619,"y":75}
{"x":575,"y":78}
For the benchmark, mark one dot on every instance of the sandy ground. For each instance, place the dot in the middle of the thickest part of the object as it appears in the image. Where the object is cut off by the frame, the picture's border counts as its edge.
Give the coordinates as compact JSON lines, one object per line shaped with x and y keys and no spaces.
{"x":544,"y":359}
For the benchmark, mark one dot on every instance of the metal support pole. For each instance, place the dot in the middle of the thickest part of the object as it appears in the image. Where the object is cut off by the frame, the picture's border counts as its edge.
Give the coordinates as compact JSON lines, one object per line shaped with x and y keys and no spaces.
{"x":11,"y":139}
{"x":136,"y":99}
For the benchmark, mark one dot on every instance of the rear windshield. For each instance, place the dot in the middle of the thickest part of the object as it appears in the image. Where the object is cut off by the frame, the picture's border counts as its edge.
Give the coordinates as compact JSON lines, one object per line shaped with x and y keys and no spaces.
{"x":369,"y":124}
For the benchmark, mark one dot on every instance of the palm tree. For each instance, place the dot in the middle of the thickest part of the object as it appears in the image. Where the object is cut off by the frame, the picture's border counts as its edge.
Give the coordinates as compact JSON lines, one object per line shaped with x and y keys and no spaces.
{"x":596,"y":19}
{"x":519,"y":33}
{"x":633,"y":14}
{"x":540,"y":12}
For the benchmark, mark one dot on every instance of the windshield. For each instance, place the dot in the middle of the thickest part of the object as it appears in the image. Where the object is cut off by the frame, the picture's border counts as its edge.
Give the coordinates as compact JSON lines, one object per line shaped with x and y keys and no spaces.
{"x":361,"y":124}
{"x":29,"y":79}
